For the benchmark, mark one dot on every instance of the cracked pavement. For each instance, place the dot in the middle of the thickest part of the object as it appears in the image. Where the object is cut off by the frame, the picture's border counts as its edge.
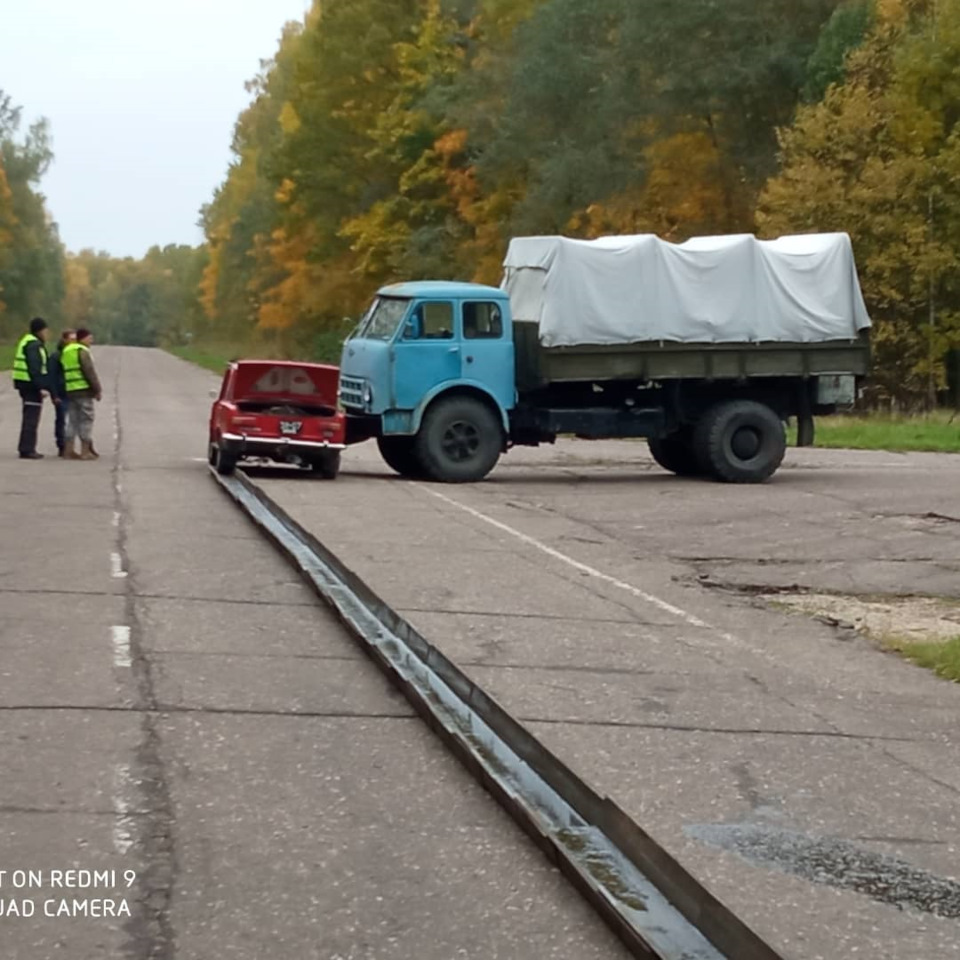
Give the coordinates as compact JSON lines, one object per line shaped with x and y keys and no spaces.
{"x":175,"y":701}
{"x":576,"y":586}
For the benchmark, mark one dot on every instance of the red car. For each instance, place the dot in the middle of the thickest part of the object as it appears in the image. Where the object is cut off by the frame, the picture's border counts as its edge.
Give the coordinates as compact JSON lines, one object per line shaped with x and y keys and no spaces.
{"x":279,"y":410}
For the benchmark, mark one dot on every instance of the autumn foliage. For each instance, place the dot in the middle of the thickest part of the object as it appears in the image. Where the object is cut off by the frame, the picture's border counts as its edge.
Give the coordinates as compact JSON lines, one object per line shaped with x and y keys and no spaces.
{"x":401,"y":139}
{"x":397,"y":139}
{"x":879,"y":157}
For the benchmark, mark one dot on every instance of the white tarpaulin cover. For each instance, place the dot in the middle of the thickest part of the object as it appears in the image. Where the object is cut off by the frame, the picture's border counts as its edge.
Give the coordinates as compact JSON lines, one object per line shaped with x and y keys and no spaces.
{"x":733,"y":289}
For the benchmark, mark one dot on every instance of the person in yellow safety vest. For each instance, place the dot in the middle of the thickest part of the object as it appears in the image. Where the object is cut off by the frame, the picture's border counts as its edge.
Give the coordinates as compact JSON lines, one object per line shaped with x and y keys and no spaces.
{"x":32,"y":383}
{"x":83,"y":388}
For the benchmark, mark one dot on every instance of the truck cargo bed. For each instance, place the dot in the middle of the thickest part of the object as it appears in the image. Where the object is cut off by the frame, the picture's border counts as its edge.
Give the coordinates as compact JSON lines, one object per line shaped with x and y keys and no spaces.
{"x":537,"y":366}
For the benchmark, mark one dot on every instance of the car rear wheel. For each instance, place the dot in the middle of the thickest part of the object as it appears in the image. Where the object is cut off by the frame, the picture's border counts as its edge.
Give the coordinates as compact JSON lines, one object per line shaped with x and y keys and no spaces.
{"x":740,"y":441}
{"x":222,"y":461}
{"x":327,"y":464}
{"x":459,"y":441}
{"x":400,"y":454}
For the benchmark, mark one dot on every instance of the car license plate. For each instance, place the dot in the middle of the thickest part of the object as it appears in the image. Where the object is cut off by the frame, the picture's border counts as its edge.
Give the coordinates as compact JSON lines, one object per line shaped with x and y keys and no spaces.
{"x":290,"y":428}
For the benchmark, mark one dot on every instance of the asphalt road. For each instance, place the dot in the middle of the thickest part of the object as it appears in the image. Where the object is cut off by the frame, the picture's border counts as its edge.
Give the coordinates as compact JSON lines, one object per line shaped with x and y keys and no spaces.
{"x":179,"y":713}
{"x":810,"y":779}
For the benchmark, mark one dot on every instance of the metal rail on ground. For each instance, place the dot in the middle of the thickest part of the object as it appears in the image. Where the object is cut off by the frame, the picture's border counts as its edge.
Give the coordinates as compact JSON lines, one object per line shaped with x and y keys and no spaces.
{"x":654,"y":905}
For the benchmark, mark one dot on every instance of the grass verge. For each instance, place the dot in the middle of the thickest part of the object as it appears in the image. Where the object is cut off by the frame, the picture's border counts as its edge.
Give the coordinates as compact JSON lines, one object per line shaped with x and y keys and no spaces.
{"x":933,"y":432}
{"x":322,"y":347}
{"x":210,"y":358}
{"x":6,"y":355}
{"x":942,"y":657}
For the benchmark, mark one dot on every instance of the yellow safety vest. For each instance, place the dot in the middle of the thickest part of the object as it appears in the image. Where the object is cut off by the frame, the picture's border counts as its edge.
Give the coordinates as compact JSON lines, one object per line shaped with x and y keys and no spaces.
{"x":21,"y":373}
{"x":73,"y":376}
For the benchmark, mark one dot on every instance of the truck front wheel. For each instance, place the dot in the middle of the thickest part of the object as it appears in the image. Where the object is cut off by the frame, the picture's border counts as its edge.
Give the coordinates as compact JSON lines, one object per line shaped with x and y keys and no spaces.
{"x":740,"y":441}
{"x":459,"y":441}
{"x":676,"y":454}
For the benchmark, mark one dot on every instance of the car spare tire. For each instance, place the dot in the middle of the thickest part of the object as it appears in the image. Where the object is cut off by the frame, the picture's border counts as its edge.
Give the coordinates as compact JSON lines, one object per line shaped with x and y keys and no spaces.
{"x":740,"y":441}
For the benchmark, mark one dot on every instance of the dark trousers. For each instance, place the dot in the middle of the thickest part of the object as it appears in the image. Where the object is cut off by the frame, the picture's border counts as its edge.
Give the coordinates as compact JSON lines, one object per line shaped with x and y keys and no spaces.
{"x":32,"y":400}
{"x":61,"y":420}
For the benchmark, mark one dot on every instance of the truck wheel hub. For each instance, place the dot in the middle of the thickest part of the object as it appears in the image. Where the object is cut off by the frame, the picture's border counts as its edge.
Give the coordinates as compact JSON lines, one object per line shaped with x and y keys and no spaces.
{"x":745,"y":443}
{"x":461,"y":441}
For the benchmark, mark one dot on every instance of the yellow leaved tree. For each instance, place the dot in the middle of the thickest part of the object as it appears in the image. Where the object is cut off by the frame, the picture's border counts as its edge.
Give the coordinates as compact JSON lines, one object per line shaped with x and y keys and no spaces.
{"x":879,"y":158}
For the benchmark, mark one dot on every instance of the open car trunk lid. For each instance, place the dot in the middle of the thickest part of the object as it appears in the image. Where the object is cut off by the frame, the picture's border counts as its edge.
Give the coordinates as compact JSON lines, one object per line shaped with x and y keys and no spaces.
{"x":270,"y":384}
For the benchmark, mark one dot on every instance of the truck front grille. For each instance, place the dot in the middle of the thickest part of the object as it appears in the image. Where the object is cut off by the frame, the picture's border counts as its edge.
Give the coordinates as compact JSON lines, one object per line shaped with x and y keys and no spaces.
{"x":351,"y":391}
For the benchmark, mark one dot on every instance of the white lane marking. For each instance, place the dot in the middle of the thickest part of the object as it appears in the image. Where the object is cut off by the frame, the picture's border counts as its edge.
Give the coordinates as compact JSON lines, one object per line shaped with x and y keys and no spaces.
{"x":116,"y":518}
{"x":116,"y":566}
{"x":121,"y":646}
{"x":684,"y":615}
{"x":123,"y":825}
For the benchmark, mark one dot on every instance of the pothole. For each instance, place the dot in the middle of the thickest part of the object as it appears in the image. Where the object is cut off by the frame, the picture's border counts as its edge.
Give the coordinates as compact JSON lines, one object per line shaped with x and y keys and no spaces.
{"x":837,"y":863}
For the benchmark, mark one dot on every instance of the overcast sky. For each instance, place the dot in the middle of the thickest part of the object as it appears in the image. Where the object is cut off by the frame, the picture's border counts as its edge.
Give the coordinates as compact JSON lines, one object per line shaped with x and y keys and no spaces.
{"x":142,"y":97}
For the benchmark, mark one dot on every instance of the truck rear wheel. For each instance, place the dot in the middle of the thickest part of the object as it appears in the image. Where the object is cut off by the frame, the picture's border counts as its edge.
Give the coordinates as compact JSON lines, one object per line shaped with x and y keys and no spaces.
{"x":400,"y":454}
{"x":676,"y":454}
{"x":459,"y":441}
{"x":740,"y":441}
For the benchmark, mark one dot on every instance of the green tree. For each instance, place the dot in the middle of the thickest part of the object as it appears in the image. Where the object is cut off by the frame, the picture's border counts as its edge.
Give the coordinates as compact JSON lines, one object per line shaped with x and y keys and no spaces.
{"x":844,"y":31}
{"x":31,"y":258}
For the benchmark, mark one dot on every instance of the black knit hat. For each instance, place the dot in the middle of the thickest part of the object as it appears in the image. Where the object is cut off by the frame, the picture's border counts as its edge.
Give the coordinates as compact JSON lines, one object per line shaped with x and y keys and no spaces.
{"x":82,"y":333}
{"x":37,"y":324}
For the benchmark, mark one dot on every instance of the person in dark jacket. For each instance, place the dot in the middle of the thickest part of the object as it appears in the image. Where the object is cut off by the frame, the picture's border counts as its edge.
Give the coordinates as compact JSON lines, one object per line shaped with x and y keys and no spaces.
{"x":58,"y":387}
{"x":32,"y":382}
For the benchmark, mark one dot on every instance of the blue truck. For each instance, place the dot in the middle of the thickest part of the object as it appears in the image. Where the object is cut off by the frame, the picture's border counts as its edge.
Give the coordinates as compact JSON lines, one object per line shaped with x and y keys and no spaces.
{"x":446,"y":379}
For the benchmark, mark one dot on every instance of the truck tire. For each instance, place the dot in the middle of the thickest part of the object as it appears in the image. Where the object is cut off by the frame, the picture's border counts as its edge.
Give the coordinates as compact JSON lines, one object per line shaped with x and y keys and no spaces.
{"x":327,"y":464}
{"x":740,"y":441}
{"x":676,"y":454}
{"x":400,"y":454}
{"x":459,"y":441}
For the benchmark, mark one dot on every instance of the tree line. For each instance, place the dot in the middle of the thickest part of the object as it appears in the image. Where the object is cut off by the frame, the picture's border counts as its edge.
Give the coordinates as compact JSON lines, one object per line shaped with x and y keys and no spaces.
{"x":392,"y":139}
{"x":142,"y":302}
{"x":31,"y":255}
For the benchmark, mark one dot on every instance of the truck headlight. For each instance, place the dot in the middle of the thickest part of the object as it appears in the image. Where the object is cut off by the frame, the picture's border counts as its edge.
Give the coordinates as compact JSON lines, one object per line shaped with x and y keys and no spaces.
{"x":367,"y":395}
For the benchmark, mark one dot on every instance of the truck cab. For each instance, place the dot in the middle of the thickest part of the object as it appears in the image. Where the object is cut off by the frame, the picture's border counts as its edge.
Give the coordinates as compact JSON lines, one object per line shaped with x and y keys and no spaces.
{"x":429,"y":372}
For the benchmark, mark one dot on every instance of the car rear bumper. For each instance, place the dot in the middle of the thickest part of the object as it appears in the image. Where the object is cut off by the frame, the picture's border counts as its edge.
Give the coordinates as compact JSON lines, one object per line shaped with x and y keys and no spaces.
{"x":273,"y":446}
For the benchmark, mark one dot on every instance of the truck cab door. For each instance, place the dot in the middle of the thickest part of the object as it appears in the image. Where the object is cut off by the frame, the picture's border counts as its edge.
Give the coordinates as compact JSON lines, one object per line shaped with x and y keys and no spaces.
{"x":427,"y":353}
{"x":487,"y":349}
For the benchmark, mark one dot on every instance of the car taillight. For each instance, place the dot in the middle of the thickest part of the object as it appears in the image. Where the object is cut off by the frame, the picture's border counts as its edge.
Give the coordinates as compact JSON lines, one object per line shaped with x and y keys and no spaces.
{"x":245,"y":424}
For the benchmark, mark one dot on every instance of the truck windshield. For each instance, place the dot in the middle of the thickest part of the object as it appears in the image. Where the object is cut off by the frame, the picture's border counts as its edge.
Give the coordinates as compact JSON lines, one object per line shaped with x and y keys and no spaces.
{"x":383,"y":318}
